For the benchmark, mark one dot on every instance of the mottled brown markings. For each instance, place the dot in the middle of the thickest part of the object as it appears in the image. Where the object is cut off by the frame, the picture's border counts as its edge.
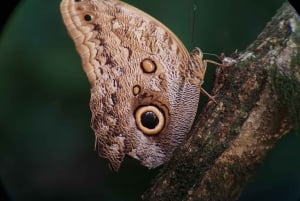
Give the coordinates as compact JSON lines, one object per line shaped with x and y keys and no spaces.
{"x":113,"y":114}
{"x":79,"y":8}
{"x":109,"y":61}
{"x":126,"y":36}
{"x":163,"y":82}
{"x":129,"y":53}
{"x":152,"y":27}
{"x":112,"y":46}
{"x":114,"y":98}
{"x":101,"y":70}
{"x":108,"y":58}
{"x":97,"y":28}
{"x":178,"y":52}
{"x":115,"y":134}
{"x":145,"y":96}
{"x":102,"y":42}
{"x":94,"y":122}
{"x":118,"y":8}
{"x":116,"y":84}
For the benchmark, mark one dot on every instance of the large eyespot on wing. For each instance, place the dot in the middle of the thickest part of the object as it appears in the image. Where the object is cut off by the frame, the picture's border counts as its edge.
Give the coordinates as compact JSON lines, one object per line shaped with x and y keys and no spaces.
{"x":150,"y":119}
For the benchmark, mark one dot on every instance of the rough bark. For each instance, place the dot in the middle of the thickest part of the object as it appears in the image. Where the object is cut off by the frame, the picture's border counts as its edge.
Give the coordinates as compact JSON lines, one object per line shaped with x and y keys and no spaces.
{"x":258,"y":101}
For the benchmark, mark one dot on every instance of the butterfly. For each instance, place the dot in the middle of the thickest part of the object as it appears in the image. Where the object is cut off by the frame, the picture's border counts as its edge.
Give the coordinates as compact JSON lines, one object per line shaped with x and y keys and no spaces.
{"x":145,"y":85}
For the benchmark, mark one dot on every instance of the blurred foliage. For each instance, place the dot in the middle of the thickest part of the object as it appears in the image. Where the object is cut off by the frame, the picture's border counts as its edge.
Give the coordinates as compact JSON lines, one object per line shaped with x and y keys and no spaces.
{"x":46,"y":143}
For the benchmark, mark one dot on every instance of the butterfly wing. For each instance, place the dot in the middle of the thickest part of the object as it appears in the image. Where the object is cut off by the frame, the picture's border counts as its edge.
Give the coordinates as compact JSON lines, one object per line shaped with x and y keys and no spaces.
{"x":144,"y":84}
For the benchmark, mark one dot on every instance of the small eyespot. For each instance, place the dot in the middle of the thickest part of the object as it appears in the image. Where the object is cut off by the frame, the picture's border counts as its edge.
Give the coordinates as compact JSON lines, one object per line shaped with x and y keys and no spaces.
{"x":87,"y":17}
{"x":148,"y":66}
{"x":136,"y":89}
{"x":162,"y":76}
{"x":150,"y":120}
{"x":77,"y":0}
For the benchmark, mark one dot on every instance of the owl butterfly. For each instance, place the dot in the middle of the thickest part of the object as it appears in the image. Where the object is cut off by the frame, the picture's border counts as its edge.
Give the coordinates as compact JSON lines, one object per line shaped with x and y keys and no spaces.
{"x":145,"y":86}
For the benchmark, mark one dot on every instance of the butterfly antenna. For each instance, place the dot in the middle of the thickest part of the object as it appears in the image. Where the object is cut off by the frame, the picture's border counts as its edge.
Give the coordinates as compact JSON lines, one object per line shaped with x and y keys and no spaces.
{"x":194,"y":22}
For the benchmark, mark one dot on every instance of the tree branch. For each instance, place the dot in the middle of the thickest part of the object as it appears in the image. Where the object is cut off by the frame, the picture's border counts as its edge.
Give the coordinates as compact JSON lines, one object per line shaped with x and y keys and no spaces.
{"x":258,"y":101}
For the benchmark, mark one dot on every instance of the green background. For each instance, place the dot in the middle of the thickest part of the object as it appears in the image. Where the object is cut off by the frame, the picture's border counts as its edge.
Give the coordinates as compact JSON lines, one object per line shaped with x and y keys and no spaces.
{"x":46,"y":145}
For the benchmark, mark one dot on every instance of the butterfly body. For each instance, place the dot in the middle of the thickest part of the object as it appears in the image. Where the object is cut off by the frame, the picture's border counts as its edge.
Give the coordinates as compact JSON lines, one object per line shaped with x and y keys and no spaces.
{"x":145,"y":86}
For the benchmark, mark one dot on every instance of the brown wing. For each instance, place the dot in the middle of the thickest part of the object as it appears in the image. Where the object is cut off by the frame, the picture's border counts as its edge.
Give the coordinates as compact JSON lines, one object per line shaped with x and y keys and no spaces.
{"x":133,"y":61}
